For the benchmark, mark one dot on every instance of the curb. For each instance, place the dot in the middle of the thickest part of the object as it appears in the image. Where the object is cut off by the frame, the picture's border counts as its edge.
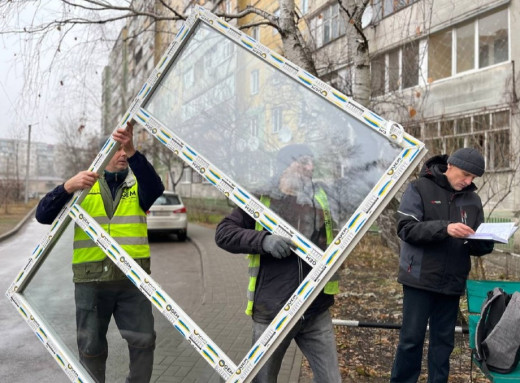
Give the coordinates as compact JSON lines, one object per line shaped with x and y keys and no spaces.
{"x":19,"y":225}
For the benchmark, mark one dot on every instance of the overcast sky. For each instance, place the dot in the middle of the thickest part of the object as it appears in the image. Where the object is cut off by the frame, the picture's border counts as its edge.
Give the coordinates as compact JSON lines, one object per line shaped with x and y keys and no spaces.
{"x":54,"y":86}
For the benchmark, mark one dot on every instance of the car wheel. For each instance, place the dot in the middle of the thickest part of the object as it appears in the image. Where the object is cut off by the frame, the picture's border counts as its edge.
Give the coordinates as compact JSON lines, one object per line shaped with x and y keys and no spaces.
{"x":182,"y":236}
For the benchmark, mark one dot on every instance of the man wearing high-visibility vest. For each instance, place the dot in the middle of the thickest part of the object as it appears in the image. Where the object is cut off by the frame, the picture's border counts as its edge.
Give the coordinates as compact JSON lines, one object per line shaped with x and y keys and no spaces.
{"x":275,"y":271}
{"x":118,"y":200}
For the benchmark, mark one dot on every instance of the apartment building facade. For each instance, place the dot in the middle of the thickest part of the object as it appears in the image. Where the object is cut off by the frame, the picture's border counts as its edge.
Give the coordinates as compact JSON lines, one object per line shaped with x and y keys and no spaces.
{"x":444,"y":69}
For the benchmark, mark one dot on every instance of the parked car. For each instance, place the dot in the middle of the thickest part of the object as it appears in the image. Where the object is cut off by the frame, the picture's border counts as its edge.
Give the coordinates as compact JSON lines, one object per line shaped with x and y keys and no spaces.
{"x":168,"y":215}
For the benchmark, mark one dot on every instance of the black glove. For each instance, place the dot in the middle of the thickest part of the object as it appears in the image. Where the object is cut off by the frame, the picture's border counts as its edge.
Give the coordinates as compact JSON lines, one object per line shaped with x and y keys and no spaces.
{"x":279,"y":247}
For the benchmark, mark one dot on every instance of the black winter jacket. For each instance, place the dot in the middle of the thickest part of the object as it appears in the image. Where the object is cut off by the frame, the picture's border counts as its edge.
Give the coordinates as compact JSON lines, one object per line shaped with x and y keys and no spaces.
{"x":278,"y":278}
{"x":431,"y":259}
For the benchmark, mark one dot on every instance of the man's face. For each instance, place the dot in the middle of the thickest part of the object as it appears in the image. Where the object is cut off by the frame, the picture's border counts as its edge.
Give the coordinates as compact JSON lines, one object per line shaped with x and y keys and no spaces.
{"x":297,"y":174}
{"x":458,"y":178}
{"x":118,"y":162}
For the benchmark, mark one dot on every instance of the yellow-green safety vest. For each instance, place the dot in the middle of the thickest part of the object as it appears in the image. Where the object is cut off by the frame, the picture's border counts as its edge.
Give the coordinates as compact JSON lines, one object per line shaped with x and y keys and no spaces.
{"x":127,"y":226}
{"x":332,"y":286}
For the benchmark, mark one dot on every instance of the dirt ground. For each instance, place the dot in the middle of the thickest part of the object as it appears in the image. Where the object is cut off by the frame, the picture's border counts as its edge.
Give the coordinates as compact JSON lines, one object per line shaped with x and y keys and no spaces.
{"x":370,"y":293}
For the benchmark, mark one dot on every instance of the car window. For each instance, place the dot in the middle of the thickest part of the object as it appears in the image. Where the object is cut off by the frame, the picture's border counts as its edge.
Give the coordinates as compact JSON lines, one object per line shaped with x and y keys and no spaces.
{"x":167,"y":200}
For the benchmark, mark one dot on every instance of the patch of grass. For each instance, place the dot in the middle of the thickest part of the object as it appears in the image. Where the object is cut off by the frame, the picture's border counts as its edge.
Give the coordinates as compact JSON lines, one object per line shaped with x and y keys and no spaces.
{"x":15,"y":213}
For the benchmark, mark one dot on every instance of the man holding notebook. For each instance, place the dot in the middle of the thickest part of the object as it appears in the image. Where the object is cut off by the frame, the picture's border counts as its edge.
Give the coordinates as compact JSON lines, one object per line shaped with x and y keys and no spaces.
{"x":438,"y":211}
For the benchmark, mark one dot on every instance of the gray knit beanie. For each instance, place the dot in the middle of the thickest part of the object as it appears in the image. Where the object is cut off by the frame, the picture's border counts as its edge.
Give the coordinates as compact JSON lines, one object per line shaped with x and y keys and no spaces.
{"x":468,"y":159}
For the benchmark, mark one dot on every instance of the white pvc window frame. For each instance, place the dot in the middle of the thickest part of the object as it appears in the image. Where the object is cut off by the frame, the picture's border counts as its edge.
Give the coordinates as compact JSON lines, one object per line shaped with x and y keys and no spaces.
{"x":324,"y":263}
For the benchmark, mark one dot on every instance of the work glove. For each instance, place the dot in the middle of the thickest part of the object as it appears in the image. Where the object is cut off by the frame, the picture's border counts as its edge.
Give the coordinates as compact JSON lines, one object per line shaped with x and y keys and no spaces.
{"x":279,"y":247}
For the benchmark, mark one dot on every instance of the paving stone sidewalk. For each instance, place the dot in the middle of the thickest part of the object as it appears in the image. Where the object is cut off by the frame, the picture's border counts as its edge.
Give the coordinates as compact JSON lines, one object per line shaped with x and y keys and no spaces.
{"x":221,"y":315}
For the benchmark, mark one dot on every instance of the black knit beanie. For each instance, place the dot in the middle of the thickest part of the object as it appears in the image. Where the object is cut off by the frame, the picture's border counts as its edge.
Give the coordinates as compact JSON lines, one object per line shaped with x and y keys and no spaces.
{"x":468,"y":159}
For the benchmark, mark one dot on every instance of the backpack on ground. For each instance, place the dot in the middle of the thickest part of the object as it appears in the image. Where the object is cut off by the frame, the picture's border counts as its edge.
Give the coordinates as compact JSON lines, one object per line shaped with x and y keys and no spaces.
{"x":497,"y":336}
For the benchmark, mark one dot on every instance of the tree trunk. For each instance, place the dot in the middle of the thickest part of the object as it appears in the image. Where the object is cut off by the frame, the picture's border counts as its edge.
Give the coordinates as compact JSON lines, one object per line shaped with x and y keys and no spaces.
{"x":294,"y":47}
{"x":359,"y":56}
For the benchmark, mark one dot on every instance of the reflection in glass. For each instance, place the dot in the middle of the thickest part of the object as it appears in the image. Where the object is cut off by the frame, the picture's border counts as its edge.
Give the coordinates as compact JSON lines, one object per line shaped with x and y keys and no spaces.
{"x":51,"y":294}
{"x":215,"y":113}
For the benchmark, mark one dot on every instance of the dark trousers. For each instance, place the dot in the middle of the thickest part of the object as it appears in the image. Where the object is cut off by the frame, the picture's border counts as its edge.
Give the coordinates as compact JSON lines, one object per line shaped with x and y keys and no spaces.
{"x":315,"y":338}
{"x":419,"y":306}
{"x":96,"y":303}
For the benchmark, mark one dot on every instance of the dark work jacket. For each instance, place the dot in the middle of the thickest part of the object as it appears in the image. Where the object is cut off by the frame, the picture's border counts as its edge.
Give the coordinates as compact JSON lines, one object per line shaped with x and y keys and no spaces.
{"x":150,"y":187}
{"x":430,"y":258}
{"x":278,"y":278}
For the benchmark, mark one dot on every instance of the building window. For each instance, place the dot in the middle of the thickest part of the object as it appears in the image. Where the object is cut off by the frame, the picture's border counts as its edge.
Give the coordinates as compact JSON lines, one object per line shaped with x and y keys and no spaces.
{"x":254,"y":81}
{"x":186,"y":176}
{"x":410,"y":64}
{"x":304,"y":7}
{"x":439,"y":56}
{"x":395,"y":70}
{"x":196,"y":178}
{"x":493,"y":39}
{"x":465,"y":47}
{"x":377,"y":75}
{"x":327,"y":26}
{"x":384,"y":8}
{"x":277,"y":119}
{"x":253,"y":126}
{"x":454,"y":50}
{"x":488,"y":132}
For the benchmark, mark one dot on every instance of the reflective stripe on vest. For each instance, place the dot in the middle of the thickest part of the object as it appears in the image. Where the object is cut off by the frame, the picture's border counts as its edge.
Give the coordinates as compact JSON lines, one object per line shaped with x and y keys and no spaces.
{"x":127,"y":226}
{"x":332,"y":286}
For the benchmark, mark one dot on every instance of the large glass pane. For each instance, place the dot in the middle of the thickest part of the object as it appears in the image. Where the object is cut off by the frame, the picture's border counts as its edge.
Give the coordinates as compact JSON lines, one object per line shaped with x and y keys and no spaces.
{"x":493,"y":34}
{"x":463,"y":125}
{"x":377,"y":75}
{"x":439,"y":56}
{"x":481,"y":122}
{"x":393,"y":70}
{"x":410,"y":65}
{"x":214,"y":118}
{"x":501,"y":119}
{"x":447,"y":128}
{"x":465,"y":47}
{"x":499,"y":150}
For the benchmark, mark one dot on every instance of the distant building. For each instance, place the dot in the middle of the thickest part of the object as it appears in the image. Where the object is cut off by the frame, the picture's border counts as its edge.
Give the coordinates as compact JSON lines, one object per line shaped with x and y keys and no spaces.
{"x":43,"y":174}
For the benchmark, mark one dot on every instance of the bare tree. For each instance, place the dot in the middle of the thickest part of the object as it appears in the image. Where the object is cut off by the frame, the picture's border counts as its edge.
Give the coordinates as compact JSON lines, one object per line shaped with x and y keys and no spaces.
{"x":77,"y":146}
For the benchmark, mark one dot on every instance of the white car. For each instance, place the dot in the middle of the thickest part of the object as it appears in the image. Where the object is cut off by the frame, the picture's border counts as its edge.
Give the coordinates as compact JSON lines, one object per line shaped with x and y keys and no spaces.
{"x":168,"y":215}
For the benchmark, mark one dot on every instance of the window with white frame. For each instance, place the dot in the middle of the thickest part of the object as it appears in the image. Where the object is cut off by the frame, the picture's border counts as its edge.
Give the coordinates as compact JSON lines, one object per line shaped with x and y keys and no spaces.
{"x":276,"y":119}
{"x":254,"y":81}
{"x":453,"y":51}
{"x":488,"y":132}
{"x":396,"y":69}
{"x":327,"y":26}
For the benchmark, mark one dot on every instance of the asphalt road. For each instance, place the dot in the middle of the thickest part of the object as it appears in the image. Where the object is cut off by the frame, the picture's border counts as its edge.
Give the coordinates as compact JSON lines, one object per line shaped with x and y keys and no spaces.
{"x":176,"y":266}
